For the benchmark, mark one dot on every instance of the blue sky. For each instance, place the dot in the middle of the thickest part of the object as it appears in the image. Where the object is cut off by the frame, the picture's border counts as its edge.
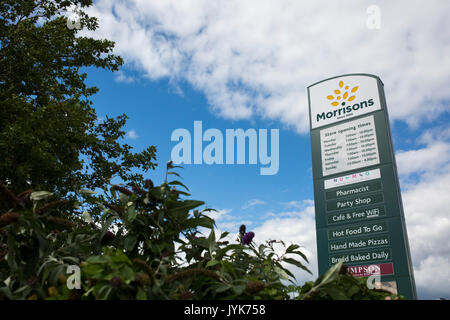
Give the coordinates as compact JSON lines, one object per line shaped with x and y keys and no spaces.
{"x":155,"y":111}
{"x":246,"y":64}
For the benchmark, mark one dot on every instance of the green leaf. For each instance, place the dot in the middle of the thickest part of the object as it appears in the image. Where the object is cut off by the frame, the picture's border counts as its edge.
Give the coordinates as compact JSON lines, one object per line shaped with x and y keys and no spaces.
{"x":178,"y":183}
{"x":87,"y":192}
{"x":127,"y":274}
{"x":224,"y":234}
{"x":261,"y":249}
{"x":353,"y":290}
{"x":296,"y":263}
{"x":106,"y":225}
{"x":123,"y":198}
{"x":336,"y":293}
{"x":281,"y":273}
{"x":190,"y":204}
{"x":8,"y":281}
{"x":223,"y":287}
{"x":98,"y":259}
{"x":184,"y":193}
{"x":53,"y":279}
{"x":40,"y":195}
{"x":71,"y":259}
{"x":11,"y":242}
{"x":141,"y":295}
{"x":212,"y":263}
{"x":171,"y":166}
{"x":132,"y":213}
{"x":94,"y":271}
{"x":113,"y":193}
{"x":239,"y":289}
{"x":289,"y":273}
{"x":205,"y":222}
{"x":130,"y":242}
{"x":174,"y":173}
{"x":211,"y":241}
{"x":301,"y":255}
{"x":87,"y":217}
{"x":21,"y":289}
{"x":292,"y":247}
{"x":6,"y":292}
{"x":103,"y":292}
{"x":332,"y":273}
{"x":221,"y":252}
{"x":229,"y":268}
{"x":202,"y":242}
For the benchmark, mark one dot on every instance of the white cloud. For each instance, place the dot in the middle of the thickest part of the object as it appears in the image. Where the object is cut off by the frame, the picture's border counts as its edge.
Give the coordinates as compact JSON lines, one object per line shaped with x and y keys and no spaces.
{"x":226,"y":222}
{"x":428,"y":223}
{"x":252,"y":203}
{"x":426,"y":203}
{"x":434,"y":155}
{"x":219,"y":214}
{"x":432,"y":286}
{"x":296,"y":204}
{"x":123,"y":78}
{"x":132,"y":134}
{"x":255,"y":58}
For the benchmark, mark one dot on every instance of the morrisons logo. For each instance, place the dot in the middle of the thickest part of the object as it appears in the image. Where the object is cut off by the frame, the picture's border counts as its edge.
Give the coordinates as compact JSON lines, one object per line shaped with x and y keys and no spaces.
{"x":343,"y":97}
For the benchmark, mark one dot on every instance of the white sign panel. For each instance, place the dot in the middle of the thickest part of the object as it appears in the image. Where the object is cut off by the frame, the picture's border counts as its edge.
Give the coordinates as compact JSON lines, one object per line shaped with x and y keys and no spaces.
{"x":352,"y":178}
{"x":349,"y":146}
{"x":342,"y":98}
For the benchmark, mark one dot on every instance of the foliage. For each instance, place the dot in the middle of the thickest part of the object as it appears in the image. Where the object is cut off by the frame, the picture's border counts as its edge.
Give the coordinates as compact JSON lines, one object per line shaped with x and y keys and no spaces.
{"x":50,"y":136}
{"x":148,"y":245}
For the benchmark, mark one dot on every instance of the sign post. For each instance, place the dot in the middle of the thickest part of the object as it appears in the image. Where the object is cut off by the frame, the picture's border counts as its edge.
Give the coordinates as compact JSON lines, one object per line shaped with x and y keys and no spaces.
{"x":359,"y":212}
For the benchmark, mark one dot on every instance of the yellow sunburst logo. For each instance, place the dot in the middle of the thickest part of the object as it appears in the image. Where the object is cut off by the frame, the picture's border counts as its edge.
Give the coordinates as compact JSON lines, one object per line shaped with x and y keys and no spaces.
{"x":342,"y":95}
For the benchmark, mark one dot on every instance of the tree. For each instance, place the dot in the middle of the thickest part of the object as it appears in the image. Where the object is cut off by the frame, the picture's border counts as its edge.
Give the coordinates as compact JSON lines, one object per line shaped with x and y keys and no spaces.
{"x":50,"y":137}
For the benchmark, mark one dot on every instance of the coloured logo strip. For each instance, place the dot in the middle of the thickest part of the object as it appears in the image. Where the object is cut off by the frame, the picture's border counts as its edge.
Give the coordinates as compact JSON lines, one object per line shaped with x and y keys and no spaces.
{"x":352,"y":178}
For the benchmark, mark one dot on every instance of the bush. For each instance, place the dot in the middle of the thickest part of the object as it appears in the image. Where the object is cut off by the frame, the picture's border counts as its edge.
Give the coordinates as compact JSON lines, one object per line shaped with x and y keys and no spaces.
{"x":147,"y":244}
